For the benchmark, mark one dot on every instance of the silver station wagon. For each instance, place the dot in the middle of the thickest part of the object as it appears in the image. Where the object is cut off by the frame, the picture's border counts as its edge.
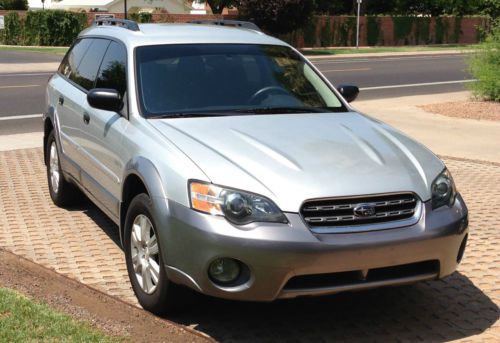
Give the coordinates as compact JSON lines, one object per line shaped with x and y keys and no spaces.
{"x":234,"y":168}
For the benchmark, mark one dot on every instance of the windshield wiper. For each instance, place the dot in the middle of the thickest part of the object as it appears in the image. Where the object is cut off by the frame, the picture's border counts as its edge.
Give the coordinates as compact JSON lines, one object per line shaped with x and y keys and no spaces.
{"x":280,"y":110}
{"x":187,"y":115}
{"x":243,"y":111}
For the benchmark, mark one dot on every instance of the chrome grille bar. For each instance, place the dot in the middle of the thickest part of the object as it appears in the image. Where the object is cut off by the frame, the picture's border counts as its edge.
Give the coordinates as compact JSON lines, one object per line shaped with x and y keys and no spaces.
{"x":345,"y":211}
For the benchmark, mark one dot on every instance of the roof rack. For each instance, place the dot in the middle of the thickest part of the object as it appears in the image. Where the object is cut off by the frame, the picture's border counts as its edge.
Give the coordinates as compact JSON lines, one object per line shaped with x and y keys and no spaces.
{"x":125,"y":23}
{"x":233,"y":23}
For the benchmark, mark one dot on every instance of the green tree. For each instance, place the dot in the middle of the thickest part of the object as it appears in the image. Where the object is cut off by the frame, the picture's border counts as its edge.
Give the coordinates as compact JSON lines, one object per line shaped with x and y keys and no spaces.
{"x":14,"y":4}
{"x":217,"y":6}
{"x":277,"y":16}
{"x":490,"y":7}
{"x":333,"y":7}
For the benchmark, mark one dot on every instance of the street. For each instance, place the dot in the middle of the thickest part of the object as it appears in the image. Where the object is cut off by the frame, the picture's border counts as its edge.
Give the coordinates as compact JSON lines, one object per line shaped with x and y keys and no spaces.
{"x":22,"y":94}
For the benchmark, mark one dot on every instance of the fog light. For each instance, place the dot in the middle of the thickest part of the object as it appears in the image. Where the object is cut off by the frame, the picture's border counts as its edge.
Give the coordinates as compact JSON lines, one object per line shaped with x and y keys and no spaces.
{"x":224,"y":270}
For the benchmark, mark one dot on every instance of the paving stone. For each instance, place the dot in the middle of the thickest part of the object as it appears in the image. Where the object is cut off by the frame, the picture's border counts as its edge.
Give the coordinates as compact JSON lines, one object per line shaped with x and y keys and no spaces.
{"x":81,"y":243}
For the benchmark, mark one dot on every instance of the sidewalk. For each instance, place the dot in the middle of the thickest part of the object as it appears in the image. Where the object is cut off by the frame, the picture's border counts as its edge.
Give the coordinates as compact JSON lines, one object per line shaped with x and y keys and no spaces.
{"x":445,"y":136}
{"x":10,"y":68}
{"x":389,"y":54}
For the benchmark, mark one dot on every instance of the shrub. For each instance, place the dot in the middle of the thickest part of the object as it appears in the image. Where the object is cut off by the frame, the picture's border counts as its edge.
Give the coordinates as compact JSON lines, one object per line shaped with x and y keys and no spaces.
{"x":484,"y":66}
{"x":141,"y":17}
{"x":13,"y":29}
{"x":373,"y":30}
{"x":277,"y":16}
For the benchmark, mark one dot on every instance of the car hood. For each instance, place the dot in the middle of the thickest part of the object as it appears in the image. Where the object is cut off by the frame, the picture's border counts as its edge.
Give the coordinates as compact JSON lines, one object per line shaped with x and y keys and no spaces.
{"x":294,"y":157}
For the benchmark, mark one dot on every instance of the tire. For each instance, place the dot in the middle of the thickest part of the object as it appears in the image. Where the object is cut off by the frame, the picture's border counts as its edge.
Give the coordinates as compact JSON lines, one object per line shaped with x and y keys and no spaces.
{"x":61,"y":191}
{"x":145,"y":265}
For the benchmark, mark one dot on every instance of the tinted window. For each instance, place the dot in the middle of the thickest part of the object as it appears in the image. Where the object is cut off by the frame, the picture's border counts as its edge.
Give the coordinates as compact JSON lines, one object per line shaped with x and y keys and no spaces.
{"x":113,"y":69}
{"x":86,"y":72}
{"x":74,"y":57}
{"x":228,"y":77}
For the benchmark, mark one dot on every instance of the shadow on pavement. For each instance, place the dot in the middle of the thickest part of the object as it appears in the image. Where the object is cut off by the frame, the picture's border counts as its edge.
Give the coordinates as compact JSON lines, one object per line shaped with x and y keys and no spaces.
{"x":107,"y":226}
{"x":440,"y":311}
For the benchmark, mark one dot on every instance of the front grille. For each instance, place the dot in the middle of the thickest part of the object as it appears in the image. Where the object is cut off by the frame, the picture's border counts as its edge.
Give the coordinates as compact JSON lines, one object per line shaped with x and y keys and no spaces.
{"x":358,"y":277}
{"x":359,"y":210}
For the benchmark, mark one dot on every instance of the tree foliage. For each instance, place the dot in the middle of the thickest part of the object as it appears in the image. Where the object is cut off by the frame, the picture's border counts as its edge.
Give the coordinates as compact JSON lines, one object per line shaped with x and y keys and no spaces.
{"x":217,"y":6}
{"x":277,"y":16}
{"x":410,"y":7}
{"x":14,"y":4}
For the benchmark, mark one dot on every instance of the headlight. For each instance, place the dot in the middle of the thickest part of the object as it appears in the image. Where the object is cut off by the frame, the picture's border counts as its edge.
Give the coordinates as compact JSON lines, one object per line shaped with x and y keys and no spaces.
{"x":237,"y":206}
{"x":443,"y":190}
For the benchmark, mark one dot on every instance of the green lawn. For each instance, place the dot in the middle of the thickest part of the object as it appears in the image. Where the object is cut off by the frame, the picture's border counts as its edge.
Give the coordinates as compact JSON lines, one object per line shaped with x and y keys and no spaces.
{"x":22,"y":320}
{"x":364,"y":50}
{"x":46,"y":50}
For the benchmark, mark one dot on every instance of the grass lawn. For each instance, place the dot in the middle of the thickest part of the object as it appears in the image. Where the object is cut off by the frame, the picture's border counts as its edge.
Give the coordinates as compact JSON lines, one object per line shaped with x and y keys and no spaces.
{"x":47,"y":50}
{"x":364,"y":50}
{"x":22,"y":320}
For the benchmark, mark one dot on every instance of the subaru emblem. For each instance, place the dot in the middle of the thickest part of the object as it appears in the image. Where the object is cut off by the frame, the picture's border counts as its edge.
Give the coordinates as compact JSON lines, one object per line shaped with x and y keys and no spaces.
{"x":364,"y":210}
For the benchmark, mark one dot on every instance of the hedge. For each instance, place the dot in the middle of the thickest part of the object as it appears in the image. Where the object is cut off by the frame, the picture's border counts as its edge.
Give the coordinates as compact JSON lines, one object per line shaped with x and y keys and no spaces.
{"x":52,"y":28}
{"x":326,"y":31}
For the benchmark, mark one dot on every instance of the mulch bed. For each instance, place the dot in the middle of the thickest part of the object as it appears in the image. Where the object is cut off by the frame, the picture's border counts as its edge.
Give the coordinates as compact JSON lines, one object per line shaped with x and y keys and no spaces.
{"x":479,"y":110}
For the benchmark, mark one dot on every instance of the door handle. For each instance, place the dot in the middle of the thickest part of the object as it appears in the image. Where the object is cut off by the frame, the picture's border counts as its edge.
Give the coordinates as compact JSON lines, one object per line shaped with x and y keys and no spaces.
{"x":61,"y":100}
{"x":86,"y":118}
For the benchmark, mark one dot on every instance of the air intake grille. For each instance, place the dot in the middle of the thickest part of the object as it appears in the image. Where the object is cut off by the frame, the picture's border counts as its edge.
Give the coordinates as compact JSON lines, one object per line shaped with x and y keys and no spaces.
{"x":359,"y":210}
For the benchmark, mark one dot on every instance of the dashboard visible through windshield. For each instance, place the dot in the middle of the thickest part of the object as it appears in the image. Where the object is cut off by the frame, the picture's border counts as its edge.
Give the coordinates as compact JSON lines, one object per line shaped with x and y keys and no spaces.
{"x":225,"y":79}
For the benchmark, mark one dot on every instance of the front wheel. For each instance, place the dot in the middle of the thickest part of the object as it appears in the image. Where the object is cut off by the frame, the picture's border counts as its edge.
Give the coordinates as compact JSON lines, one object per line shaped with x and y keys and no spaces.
{"x":145,"y":265}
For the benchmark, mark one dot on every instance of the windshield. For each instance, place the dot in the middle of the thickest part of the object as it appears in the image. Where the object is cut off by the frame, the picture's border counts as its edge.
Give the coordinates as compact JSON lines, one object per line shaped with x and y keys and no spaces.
{"x":228,"y":78}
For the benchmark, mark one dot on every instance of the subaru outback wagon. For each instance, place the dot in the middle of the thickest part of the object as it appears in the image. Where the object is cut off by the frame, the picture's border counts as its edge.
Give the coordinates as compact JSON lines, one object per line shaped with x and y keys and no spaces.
{"x":234,"y":168}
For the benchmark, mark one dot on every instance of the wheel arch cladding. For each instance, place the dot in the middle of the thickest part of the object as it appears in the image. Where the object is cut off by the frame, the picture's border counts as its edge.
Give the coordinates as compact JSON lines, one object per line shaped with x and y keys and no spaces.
{"x":141,"y":176}
{"x":48,"y":126}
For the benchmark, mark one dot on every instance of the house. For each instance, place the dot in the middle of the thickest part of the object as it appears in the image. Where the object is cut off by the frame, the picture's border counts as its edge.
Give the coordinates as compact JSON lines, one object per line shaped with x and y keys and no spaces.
{"x":117,"y":6}
{"x":38,"y":5}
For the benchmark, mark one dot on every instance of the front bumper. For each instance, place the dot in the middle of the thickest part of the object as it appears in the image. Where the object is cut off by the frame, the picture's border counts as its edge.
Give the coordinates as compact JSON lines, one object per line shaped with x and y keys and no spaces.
{"x":274,"y":253}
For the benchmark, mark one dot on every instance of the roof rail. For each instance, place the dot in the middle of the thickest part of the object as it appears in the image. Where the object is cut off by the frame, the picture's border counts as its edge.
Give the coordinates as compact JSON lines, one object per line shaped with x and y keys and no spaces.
{"x":125,"y":23}
{"x":233,"y":23}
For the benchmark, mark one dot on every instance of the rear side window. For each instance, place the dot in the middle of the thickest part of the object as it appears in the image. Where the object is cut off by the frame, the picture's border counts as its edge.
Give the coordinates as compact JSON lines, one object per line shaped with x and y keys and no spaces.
{"x":113,"y":69}
{"x":86,"y":72}
{"x":74,"y":57}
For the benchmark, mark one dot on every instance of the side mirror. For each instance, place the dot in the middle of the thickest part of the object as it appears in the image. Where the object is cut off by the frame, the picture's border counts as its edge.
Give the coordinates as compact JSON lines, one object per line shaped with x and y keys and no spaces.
{"x":350,"y":93}
{"x":105,"y":99}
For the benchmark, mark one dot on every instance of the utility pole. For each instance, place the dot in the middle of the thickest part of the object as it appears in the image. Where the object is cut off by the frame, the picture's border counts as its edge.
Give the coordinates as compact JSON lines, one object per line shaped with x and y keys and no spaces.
{"x":357,"y":25}
{"x":125,"y":11}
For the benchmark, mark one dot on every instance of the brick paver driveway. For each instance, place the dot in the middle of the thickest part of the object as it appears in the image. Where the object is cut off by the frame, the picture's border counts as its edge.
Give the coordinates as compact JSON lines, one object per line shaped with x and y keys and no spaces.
{"x":83,"y":244}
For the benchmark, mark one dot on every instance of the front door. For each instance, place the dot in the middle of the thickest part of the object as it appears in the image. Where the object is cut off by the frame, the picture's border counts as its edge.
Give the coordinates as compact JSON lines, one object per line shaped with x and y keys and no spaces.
{"x":104,"y":131}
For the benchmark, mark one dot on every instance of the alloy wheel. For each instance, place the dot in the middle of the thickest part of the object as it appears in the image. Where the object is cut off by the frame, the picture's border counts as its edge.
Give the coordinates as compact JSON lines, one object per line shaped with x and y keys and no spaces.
{"x":54,"y":171}
{"x":145,"y":254}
